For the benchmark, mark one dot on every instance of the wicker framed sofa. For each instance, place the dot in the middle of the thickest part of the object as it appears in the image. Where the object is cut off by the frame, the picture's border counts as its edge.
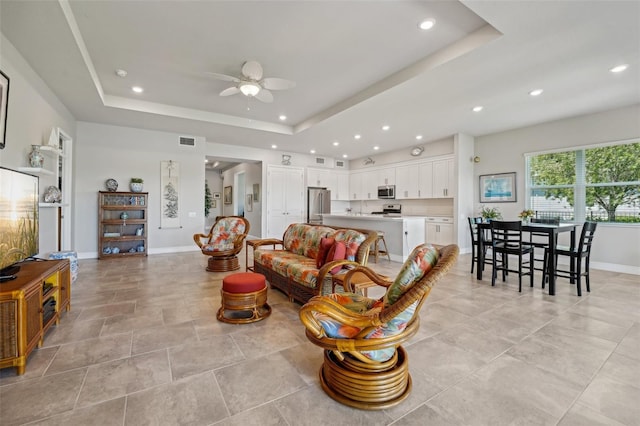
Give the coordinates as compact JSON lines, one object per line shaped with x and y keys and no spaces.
{"x":308,"y":255}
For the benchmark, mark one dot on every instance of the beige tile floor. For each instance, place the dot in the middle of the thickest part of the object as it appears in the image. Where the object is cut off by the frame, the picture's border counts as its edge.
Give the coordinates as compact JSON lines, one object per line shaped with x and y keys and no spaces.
{"x":141,"y":346}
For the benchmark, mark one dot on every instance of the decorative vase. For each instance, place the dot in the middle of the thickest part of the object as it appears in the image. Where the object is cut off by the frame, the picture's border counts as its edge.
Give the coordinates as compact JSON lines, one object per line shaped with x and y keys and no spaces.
{"x":136,"y":187}
{"x":124,"y":216}
{"x":36,"y":159}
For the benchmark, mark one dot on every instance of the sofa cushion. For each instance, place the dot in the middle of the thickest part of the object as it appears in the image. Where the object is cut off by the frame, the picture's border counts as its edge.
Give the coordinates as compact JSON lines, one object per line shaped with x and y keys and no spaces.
{"x":352,"y":240}
{"x":277,"y":260}
{"x":304,"y":239}
{"x":337,"y":252}
{"x":323,"y":250}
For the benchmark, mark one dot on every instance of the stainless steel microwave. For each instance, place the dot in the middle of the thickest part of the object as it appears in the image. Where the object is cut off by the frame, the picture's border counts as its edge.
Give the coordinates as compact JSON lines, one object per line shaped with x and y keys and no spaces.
{"x":387,"y":192}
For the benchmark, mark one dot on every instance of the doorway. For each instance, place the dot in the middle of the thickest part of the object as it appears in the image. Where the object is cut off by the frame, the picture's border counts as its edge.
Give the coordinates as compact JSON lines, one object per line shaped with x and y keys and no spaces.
{"x":239,"y":183}
{"x":64,"y":173}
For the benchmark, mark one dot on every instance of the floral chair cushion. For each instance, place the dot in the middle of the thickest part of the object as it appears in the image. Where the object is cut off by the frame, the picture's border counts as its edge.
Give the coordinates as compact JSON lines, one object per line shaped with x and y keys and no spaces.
{"x":421,"y":260}
{"x":224,"y":233}
{"x":304,"y":239}
{"x":364,"y":306}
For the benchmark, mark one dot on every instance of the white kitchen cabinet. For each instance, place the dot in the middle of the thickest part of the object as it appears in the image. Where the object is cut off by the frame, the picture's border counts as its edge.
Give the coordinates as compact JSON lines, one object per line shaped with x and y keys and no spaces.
{"x":386,"y":176}
{"x":443,"y":178}
{"x":341,"y":192}
{"x":285,"y":198}
{"x":425,"y":180}
{"x":355,"y":185}
{"x":321,"y":178}
{"x":369,"y":189}
{"x":439,"y":230}
{"x":407,"y":182}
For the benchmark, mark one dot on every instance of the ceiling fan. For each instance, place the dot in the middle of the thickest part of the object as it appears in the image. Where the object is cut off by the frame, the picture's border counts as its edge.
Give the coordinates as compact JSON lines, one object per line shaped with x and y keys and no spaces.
{"x":251,"y":83}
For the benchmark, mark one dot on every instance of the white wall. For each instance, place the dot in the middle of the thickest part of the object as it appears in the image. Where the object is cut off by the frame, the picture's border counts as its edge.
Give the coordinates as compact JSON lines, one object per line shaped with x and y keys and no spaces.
{"x":616,"y":247}
{"x":104,"y":151}
{"x":252,"y":174}
{"x":32,"y":112}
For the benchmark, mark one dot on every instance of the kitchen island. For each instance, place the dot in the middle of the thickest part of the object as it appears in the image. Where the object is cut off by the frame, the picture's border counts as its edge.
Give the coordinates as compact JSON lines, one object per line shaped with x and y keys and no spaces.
{"x":401,"y":233}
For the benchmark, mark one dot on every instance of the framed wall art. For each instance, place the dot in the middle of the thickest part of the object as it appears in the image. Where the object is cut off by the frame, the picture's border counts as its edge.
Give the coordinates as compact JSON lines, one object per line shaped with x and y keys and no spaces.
{"x":498,"y":188}
{"x":256,"y":192}
{"x":228,"y":194}
{"x":216,"y":195}
{"x":249,"y":205}
{"x":4,"y":103}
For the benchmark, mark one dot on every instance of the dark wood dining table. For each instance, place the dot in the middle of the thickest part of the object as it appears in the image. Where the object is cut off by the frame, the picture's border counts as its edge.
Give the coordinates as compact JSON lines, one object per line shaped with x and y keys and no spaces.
{"x":551,"y":231}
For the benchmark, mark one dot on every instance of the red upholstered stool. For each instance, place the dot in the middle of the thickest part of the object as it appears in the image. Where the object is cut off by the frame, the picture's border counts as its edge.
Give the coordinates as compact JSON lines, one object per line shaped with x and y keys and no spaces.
{"x":244,"y":298}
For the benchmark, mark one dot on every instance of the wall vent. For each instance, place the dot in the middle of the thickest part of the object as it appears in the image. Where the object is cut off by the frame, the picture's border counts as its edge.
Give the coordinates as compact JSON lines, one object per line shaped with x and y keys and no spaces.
{"x":340,"y":163}
{"x":187,"y":141}
{"x":319,"y":160}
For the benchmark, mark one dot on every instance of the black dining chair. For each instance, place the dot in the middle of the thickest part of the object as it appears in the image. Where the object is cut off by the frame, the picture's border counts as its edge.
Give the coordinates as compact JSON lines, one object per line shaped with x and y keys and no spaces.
{"x":578,"y":257}
{"x":540,"y":240}
{"x":475,"y":244}
{"x":506,"y":240}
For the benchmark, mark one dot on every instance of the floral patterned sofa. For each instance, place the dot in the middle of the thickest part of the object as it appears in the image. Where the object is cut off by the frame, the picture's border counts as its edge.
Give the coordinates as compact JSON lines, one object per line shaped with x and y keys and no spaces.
{"x":295,"y":268}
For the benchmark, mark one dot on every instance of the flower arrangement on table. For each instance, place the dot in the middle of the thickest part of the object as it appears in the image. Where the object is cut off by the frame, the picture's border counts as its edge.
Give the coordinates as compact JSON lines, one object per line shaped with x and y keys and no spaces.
{"x":526,"y":214}
{"x":490,"y":213}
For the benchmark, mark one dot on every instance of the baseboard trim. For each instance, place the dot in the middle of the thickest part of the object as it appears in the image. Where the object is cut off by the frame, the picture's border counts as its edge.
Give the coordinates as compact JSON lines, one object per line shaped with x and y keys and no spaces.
{"x":614,"y":267}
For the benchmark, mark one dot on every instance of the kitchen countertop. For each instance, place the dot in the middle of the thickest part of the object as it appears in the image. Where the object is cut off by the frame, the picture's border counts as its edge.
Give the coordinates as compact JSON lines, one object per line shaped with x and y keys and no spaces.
{"x":367,"y":216}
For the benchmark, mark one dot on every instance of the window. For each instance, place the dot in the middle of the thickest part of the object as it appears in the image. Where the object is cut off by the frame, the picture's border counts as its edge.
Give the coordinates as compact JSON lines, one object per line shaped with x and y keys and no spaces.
{"x":600,"y":183}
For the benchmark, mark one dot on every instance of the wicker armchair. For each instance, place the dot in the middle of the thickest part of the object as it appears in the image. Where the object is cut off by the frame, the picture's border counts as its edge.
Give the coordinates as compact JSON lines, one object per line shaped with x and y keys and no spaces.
{"x":223,"y":243}
{"x":364,"y":365}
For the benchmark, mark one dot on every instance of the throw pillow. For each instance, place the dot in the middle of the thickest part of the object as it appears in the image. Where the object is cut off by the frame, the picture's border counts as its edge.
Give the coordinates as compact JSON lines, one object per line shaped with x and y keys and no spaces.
{"x":338,"y":251}
{"x":323,"y":250}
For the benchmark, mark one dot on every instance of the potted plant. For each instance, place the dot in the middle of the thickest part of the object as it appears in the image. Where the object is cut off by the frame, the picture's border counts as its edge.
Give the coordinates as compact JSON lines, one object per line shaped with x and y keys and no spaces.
{"x":525,"y":215}
{"x":136,"y":184}
{"x":208,"y":199}
{"x":490,"y":213}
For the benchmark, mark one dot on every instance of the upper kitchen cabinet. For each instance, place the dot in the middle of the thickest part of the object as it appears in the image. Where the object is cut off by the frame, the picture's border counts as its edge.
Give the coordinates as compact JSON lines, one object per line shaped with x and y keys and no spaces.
{"x":444,"y":178}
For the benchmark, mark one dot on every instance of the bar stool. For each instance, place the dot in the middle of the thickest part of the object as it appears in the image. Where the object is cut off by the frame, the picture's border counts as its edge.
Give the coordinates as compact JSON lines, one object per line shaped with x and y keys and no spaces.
{"x":376,"y":248}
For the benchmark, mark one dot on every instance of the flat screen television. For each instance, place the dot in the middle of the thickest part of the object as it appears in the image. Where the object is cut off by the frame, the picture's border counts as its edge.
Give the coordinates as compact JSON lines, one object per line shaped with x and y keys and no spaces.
{"x":18,"y":220}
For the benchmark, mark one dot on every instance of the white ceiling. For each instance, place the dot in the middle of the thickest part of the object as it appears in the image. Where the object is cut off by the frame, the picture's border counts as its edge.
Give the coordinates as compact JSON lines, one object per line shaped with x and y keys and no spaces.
{"x":358,"y":65}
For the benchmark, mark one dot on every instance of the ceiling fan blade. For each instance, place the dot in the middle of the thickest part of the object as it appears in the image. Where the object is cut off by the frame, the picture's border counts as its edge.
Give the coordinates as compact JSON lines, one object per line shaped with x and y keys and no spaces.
{"x":265,"y":96}
{"x":252,"y":70}
{"x":230,"y":91}
{"x":223,"y":77}
{"x":277,"y":84}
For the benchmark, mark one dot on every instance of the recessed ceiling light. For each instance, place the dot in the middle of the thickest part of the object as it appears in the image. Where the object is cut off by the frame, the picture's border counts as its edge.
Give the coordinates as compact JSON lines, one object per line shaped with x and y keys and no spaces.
{"x":376,"y":148}
{"x":313,"y":151}
{"x":357,"y":136}
{"x":427,"y":24}
{"x":419,"y":137}
{"x":478,"y":108}
{"x":619,"y":68}
{"x":385,"y":127}
{"x":344,"y":155}
{"x":121,"y":73}
{"x":536,"y":92}
{"x":336,"y":143}
{"x":274,"y":146}
{"x":282,"y":117}
{"x":137,"y":89}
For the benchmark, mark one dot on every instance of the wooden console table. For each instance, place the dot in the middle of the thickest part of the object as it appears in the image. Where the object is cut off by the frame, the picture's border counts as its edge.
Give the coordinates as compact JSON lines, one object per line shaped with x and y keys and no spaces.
{"x":29,"y":306}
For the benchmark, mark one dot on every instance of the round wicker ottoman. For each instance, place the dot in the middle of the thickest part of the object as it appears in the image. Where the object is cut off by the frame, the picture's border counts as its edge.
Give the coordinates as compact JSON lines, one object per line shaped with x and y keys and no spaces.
{"x":244,"y":298}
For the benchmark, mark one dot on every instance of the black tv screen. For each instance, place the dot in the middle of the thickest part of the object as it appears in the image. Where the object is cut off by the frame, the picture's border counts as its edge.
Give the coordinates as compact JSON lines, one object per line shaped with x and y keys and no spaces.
{"x":18,"y":217}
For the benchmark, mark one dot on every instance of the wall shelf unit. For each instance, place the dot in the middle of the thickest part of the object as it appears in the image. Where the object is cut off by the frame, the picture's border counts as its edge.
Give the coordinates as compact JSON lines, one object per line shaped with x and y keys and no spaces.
{"x":35,"y":170}
{"x":122,"y":229}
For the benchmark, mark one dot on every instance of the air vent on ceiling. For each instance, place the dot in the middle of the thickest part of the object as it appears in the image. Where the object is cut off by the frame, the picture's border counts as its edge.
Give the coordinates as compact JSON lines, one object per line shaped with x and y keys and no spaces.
{"x":187,"y":141}
{"x":319,"y":160}
{"x":339,"y":163}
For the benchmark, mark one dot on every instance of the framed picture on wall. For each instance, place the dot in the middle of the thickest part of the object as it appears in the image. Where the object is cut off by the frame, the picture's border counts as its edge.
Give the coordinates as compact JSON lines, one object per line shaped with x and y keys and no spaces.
{"x":498,"y":188}
{"x":214,"y":204}
{"x":216,"y":195}
{"x":249,"y":203}
{"x":4,"y":103}
{"x":228,"y":194}
{"x":256,"y":192}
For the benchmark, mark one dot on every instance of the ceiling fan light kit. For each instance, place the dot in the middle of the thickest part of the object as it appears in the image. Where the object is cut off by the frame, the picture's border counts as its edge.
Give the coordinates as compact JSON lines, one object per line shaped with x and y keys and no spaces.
{"x":251,"y":83}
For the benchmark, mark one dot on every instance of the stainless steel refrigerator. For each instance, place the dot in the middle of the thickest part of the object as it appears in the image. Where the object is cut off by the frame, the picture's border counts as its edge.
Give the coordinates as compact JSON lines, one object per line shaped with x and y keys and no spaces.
{"x":318,"y":202}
